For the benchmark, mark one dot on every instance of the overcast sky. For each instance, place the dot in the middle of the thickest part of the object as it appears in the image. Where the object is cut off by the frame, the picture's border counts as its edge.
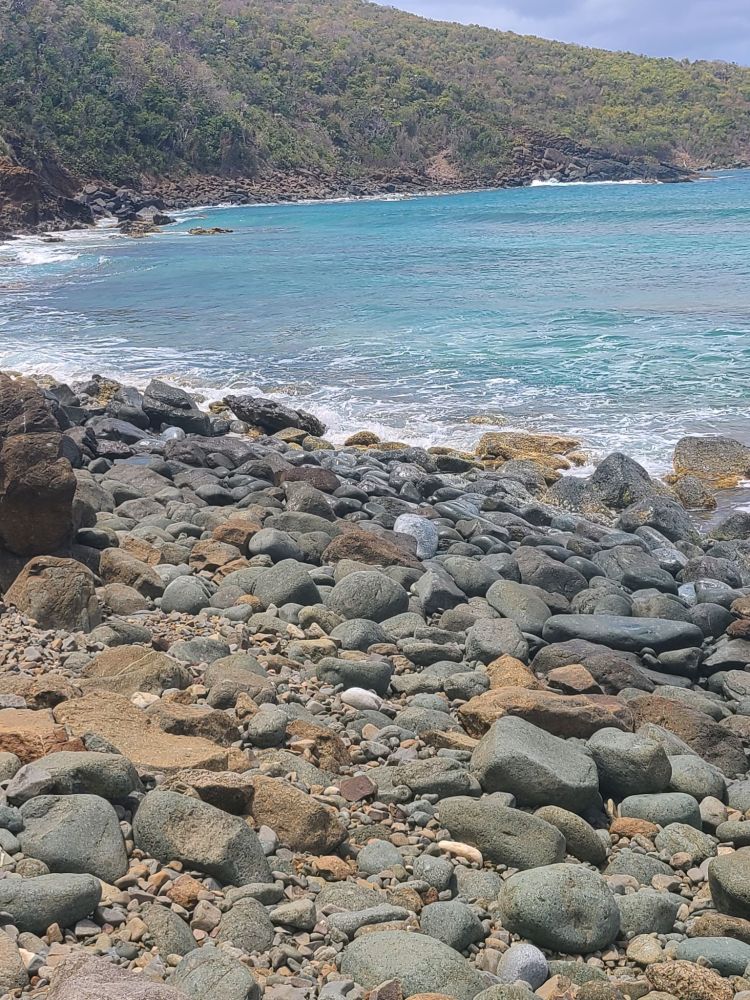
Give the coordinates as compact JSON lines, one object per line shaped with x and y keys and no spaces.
{"x":693,"y":29}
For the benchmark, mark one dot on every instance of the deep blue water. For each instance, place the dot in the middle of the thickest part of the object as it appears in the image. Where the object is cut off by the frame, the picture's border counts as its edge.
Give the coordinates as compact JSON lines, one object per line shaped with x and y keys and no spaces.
{"x":617,"y":312}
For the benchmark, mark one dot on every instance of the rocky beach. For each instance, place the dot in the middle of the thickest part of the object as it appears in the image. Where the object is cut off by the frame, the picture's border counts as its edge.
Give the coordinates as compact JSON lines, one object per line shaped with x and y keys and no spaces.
{"x":364,"y":722}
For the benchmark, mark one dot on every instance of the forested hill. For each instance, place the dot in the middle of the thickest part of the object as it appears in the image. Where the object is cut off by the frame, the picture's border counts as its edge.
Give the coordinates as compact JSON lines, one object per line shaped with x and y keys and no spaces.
{"x":115,"y":89}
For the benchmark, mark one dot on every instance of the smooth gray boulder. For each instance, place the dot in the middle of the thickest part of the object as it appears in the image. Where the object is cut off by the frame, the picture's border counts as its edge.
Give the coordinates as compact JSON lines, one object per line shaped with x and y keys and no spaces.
{"x":664,"y":808}
{"x":539,"y":769}
{"x":108,"y":775}
{"x":174,"y":827}
{"x":369,"y":595}
{"x":491,"y":638}
{"x":77,"y":834}
{"x":520,"y":603}
{"x":210,"y":972}
{"x":619,"y":632}
{"x":729,"y":881}
{"x":629,"y":763}
{"x":288,"y":582}
{"x":504,"y":836}
{"x":565,"y":908}
{"x":420,"y":963}
{"x":36,"y":903}
{"x":453,"y":923}
{"x":648,"y":912}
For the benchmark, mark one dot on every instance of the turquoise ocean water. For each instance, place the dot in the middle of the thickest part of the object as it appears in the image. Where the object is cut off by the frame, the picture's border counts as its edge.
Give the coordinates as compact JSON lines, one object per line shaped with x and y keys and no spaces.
{"x":617,"y":312}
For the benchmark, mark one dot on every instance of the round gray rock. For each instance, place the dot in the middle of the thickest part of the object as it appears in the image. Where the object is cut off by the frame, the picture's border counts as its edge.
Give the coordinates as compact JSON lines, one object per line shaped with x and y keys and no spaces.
{"x":369,"y":595}
{"x":565,"y":908}
{"x":453,"y":923}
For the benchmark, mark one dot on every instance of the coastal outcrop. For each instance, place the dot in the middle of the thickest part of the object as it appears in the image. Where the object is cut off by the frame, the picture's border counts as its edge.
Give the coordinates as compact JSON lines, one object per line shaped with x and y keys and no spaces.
{"x":301,"y":721}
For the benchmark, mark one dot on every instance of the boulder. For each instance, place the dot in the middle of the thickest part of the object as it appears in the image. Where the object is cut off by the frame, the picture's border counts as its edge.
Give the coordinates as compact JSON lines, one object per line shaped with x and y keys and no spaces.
{"x":298,"y":820}
{"x":562,"y":715}
{"x":108,"y":775}
{"x":37,"y":484}
{"x":272,"y":416}
{"x":629,"y":763}
{"x":729,"y":881}
{"x":83,"y":977}
{"x":421,"y":964}
{"x":36,"y":903}
{"x":720,"y":462}
{"x":57,"y":594}
{"x":539,"y":769}
{"x":174,"y":827}
{"x":620,"y":632}
{"x":565,"y":908}
{"x":127,"y":669}
{"x":503,"y":835}
{"x":369,"y":595}
{"x":139,"y":737}
{"x":77,"y":834}
{"x":211,"y":972}
{"x":166,"y":404}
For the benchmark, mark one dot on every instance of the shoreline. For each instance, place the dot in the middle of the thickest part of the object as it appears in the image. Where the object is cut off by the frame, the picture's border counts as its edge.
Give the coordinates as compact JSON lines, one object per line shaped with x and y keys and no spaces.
{"x":323,"y":705}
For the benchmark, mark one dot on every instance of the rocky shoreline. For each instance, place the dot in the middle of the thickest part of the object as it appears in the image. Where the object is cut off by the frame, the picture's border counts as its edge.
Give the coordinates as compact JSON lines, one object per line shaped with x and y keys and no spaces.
{"x":42,"y":196}
{"x":378,"y":722}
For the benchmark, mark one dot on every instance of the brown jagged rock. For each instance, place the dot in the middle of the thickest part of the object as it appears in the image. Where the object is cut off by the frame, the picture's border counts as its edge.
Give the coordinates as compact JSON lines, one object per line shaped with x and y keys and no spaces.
{"x":688,"y":981}
{"x":36,"y":483}
{"x":31,"y":735}
{"x":562,"y":715}
{"x":298,"y":820}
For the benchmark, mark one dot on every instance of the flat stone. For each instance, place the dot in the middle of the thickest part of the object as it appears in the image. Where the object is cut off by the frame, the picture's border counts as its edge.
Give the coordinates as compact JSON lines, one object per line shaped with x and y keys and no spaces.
{"x":619,"y":632}
{"x":562,"y":715}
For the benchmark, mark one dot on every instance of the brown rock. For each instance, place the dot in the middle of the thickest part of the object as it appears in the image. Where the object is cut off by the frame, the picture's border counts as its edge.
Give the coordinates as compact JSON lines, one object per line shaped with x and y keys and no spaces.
{"x":44,"y":691}
{"x":118,"y":566}
{"x":37,"y":485}
{"x":573,"y":679}
{"x":236,"y":532}
{"x":521,"y":444}
{"x":82,"y":977}
{"x":625,"y":826}
{"x":127,"y":669}
{"x":299,"y":821}
{"x":373,"y":550}
{"x":194,"y":720}
{"x":211,"y":555}
{"x":31,"y":735}
{"x":739,"y":629}
{"x":228,"y":790}
{"x":357,"y":788}
{"x":135,"y":735}
{"x":507,"y":671}
{"x":185,"y":891}
{"x":741,"y":607}
{"x":720,"y":462}
{"x":720,"y":925}
{"x":562,"y":715}
{"x":711,"y":741}
{"x":139,"y":548}
{"x":322,"y":479}
{"x":57,"y":594}
{"x":688,"y":981}
{"x":451,"y":740}
{"x":122,"y":600}
{"x":329,"y":748}
{"x":361,"y":439}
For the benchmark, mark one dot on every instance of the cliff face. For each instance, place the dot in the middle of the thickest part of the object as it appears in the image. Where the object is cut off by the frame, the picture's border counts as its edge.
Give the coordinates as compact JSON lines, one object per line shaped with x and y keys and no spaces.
{"x":38,"y":198}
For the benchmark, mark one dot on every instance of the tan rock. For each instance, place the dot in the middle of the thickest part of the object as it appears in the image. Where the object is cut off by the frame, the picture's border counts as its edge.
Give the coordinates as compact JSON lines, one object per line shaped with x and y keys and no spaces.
{"x":720,"y":462}
{"x":194,"y":720}
{"x":236,"y":532}
{"x":127,"y":669}
{"x":211,"y":555}
{"x":44,"y":691}
{"x":137,"y":736}
{"x":118,"y":566}
{"x":31,"y":735}
{"x":520,"y":444}
{"x":330,"y":749}
{"x":83,"y":977}
{"x":299,"y":821}
{"x":573,"y":679}
{"x":562,"y":715}
{"x":227,"y":790}
{"x":362,"y":439}
{"x":185,"y":891}
{"x":57,"y":594}
{"x":139,"y":548}
{"x":720,"y":925}
{"x":507,"y":671}
{"x":449,"y":741}
{"x":688,"y":981}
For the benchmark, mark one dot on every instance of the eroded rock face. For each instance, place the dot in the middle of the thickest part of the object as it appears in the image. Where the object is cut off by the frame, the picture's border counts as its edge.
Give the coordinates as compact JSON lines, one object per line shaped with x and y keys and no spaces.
{"x":36,"y":483}
{"x":717,"y":461}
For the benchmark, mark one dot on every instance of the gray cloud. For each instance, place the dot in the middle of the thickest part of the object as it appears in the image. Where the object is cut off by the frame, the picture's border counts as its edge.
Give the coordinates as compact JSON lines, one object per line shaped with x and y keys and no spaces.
{"x":692,"y":29}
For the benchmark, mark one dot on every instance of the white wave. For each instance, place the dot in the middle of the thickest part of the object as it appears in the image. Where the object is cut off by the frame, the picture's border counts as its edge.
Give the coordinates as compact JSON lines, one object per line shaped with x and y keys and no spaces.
{"x":35,"y":256}
{"x":553,"y":182}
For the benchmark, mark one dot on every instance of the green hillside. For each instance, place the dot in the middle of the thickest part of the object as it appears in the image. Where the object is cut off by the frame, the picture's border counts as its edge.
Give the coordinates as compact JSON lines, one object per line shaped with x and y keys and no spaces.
{"x":119,"y":88}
